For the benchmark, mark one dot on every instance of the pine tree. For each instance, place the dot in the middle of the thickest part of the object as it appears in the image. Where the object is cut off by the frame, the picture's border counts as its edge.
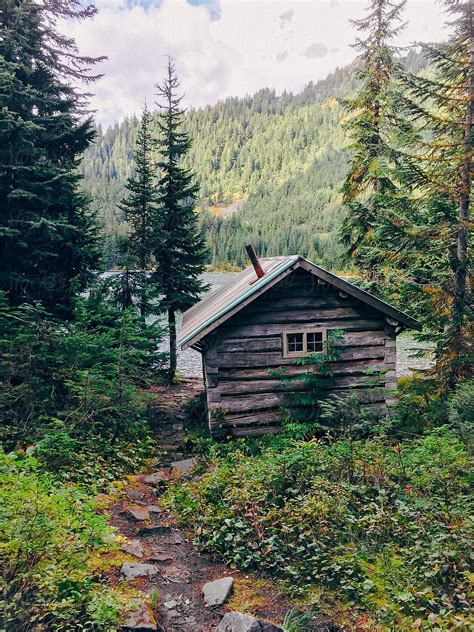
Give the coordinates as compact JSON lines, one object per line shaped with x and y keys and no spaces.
{"x":180,"y":251}
{"x":47,"y":239}
{"x":141,"y":212}
{"x":430,"y":237}
{"x":368,"y":185}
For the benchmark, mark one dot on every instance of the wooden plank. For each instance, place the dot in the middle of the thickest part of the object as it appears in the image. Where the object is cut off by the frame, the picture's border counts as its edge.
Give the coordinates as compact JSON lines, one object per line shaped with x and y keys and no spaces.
{"x":270,"y":343}
{"x":265,"y":401}
{"x":255,"y":432}
{"x":275,"y":386}
{"x":301,"y":301}
{"x":275,"y":359}
{"x":271,"y":329}
{"x":307,"y":316}
{"x":344,"y":368}
{"x":261,"y":419}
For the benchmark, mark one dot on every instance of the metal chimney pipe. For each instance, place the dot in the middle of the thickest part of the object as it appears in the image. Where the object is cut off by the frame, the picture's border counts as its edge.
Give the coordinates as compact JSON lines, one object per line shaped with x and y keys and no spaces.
{"x":255,"y":262}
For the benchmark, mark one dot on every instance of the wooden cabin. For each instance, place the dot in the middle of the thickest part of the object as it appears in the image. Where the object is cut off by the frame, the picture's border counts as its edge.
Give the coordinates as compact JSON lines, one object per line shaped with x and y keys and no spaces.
{"x":277,"y":310}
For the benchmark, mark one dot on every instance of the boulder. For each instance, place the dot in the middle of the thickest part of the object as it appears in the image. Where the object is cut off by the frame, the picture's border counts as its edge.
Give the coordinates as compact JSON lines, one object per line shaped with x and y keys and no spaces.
{"x":157,"y":479}
{"x":136,"y":513}
{"x":134,"y":547}
{"x":160,"y":557}
{"x":216,"y":592}
{"x":240,"y":622}
{"x":141,"y":617}
{"x":134,"y":496}
{"x":183,"y":468}
{"x":131,"y":570}
{"x":154,"y":509}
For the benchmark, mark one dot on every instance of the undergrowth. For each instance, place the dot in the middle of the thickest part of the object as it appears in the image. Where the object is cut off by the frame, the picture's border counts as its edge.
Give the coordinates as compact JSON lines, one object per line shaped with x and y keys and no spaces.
{"x":51,"y":536}
{"x":381,"y":524}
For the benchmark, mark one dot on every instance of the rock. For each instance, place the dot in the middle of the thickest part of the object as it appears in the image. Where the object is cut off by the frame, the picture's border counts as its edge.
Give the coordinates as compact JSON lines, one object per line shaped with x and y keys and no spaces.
{"x":236,"y":622}
{"x":154,"y":509}
{"x":239,"y":622}
{"x":157,"y":478}
{"x":216,"y":592}
{"x":169,"y":605}
{"x":132,"y":570}
{"x":134,"y":547}
{"x":136,"y":513}
{"x":134,"y":496}
{"x":183,"y":468}
{"x":156,"y":529}
{"x":160,"y":557}
{"x":141,"y":618}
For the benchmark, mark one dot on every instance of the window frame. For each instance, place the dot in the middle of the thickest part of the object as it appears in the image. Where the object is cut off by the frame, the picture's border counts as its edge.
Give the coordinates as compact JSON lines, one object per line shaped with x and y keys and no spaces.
{"x":304,"y":331}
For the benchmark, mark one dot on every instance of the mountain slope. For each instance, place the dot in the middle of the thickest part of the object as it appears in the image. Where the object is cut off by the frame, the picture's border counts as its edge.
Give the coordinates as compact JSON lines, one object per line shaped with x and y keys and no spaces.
{"x":269,"y":169}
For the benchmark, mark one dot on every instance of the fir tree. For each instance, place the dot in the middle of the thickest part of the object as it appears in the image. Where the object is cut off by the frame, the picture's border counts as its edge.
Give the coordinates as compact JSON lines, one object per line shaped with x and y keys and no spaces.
{"x":368,"y":185}
{"x":47,"y":241}
{"x":141,"y":212}
{"x":429,"y":237}
{"x":180,"y":251}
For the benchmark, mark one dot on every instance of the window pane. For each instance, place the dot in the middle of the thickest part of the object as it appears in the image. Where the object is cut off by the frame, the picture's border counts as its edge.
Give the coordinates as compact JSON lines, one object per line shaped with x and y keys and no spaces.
{"x":314,"y":341}
{"x":294,"y":342}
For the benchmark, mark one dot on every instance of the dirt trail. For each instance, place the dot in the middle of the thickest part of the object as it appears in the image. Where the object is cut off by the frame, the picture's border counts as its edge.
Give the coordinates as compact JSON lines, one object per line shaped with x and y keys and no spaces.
{"x":172,"y":565}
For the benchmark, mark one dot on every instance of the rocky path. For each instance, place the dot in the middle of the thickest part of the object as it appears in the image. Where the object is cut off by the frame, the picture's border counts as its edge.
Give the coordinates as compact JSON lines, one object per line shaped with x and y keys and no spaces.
{"x":183,"y":589}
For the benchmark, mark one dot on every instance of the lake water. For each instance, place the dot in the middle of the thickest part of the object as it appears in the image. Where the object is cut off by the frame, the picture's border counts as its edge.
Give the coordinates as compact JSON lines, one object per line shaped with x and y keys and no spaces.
{"x":190,"y":364}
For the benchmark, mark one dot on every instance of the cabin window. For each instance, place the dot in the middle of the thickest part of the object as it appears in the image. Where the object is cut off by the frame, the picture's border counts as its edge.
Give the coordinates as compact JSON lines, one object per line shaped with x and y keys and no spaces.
{"x":299,"y":343}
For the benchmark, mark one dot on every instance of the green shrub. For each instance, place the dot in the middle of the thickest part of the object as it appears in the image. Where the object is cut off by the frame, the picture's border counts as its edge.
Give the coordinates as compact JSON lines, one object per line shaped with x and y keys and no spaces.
{"x":421,"y":406}
{"x":461,"y":412}
{"x":56,"y":450}
{"x":87,"y":373}
{"x":50,"y":534}
{"x":384,"y":526}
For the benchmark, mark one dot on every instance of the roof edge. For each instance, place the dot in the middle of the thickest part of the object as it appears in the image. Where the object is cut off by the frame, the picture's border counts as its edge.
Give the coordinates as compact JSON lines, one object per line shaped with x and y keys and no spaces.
{"x":325,"y":275}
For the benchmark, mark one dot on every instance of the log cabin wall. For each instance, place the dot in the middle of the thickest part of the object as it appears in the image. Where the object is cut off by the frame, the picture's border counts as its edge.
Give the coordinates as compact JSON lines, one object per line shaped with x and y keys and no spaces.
{"x":243,"y":399}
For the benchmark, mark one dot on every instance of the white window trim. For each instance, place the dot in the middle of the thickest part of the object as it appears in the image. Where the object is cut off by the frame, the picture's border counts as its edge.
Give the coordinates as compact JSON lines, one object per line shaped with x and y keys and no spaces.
{"x":304,"y":331}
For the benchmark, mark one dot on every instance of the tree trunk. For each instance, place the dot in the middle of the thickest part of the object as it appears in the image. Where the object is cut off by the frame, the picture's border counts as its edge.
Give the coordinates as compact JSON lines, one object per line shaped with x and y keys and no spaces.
{"x":461,"y":261}
{"x":173,"y":352}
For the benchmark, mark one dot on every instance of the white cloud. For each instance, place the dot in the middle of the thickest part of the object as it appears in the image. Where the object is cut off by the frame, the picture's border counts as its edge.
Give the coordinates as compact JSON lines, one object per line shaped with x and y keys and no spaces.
{"x":229,"y":48}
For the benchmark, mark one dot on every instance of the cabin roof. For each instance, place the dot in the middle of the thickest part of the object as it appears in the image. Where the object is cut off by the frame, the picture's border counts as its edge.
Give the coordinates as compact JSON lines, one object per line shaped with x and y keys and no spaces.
{"x":215,"y":308}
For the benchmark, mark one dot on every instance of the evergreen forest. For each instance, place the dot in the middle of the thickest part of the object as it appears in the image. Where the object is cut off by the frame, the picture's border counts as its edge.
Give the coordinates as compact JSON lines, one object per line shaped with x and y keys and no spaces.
{"x":121,"y":509}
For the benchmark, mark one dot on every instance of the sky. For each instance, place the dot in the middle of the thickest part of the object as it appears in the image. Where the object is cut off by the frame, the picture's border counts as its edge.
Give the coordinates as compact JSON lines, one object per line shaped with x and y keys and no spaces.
{"x":225,"y":47}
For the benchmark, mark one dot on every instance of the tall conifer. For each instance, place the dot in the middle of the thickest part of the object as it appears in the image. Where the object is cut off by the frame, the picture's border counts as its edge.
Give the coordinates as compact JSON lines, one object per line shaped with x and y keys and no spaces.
{"x":368,"y":184}
{"x":141,"y":211}
{"x":430,"y":237}
{"x":47,"y":241}
{"x":180,"y":251}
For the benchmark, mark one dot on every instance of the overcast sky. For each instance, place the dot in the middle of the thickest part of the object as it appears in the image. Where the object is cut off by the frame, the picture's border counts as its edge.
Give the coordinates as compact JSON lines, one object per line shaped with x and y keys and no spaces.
{"x":226,"y":47}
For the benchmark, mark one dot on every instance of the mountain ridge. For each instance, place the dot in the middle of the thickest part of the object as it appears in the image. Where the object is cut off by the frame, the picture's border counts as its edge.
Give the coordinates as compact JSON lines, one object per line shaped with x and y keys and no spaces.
{"x":278,"y":159}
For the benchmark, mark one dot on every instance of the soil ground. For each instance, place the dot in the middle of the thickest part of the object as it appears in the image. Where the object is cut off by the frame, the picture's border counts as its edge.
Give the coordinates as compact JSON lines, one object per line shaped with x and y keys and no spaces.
{"x":182,"y":567}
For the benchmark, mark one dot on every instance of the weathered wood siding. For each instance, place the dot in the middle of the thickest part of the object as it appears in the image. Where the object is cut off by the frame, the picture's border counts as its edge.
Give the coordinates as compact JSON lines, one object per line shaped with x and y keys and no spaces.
{"x":243,"y":399}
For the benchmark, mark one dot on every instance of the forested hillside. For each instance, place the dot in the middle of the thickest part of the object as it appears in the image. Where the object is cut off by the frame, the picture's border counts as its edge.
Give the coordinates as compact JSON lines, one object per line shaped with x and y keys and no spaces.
{"x":270,"y":168}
